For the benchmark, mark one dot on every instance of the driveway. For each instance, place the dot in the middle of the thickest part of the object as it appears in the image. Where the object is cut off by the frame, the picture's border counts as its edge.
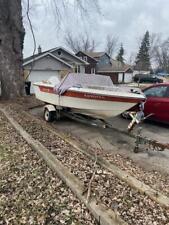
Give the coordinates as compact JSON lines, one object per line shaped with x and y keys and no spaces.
{"x":152,"y":130}
{"x":111,"y":140}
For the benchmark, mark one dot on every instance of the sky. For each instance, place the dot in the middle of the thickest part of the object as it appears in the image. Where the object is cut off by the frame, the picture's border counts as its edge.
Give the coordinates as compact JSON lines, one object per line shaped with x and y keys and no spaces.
{"x":127,"y":20}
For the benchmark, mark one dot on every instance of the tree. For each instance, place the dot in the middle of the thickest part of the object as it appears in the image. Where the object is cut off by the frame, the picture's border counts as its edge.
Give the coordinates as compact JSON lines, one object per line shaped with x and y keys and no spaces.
{"x":155,"y":40}
{"x":11,"y":45}
{"x":131,"y":58}
{"x":80,"y":43}
{"x":111,"y":44}
{"x":12,"y":39}
{"x":143,"y":56}
{"x":120,"y":54}
{"x":161,"y":55}
{"x":159,"y":52}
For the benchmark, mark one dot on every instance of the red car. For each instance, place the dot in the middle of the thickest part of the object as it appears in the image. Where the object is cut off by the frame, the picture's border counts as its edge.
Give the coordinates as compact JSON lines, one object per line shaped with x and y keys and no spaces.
{"x":157,"y":102}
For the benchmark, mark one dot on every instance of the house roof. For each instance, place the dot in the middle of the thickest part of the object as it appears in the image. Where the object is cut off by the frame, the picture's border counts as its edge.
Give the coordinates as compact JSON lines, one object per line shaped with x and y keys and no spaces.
{"x":116,"y":66}
{"x":81,"y":60}
{"x":42,"y":55}
{"x":95,"y":55}
{"x":33,"y":57}
{"x":52,"y":50}
{"x":85,"y":53}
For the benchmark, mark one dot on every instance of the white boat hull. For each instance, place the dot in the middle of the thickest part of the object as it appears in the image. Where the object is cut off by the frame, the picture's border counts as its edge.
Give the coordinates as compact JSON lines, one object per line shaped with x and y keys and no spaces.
{"x":94,"y":106}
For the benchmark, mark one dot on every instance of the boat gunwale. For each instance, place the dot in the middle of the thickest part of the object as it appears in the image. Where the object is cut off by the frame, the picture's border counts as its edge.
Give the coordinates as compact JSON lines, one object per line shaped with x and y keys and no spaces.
{"x":139,"y":96}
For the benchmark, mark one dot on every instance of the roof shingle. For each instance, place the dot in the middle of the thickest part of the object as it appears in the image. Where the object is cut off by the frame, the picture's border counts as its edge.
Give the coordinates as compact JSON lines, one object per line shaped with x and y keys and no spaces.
{"x":116,"y":66}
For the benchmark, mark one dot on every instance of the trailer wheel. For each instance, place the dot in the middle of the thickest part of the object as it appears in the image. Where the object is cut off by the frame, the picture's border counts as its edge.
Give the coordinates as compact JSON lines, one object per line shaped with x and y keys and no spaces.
{"x":48,"y":115}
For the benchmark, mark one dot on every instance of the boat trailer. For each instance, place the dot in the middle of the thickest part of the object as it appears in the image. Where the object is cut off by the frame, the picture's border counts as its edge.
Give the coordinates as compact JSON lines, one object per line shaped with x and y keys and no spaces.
{"x":56,"y":113}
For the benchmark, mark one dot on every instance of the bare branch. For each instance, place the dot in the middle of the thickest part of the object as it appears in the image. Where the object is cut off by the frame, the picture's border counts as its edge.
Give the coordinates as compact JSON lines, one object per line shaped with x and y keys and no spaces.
{"x":33,"y":35}
{"x":86,"y":5}
{"x":111,"y":45}
{"x":131,"y":59}
{"x":80,"y":43}
{"x":155,"y":40}
{"x":161,"y":54}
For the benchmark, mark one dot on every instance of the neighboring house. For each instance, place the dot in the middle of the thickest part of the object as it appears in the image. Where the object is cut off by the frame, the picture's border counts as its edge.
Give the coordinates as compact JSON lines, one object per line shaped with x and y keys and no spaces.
{"x":119,"y":72}
{"x":101,"y":63}
{"x":135,"y":71}
{"x":91,"y":67}
{"x":54,"y":62}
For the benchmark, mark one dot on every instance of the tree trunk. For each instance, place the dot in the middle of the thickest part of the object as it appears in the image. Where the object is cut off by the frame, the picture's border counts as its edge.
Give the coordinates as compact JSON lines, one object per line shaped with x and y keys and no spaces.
{"x":11,"y":45}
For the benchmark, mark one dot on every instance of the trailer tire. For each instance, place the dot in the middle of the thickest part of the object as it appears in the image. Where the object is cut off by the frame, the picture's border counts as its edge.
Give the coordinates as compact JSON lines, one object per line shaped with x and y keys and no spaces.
{"x":48,"y":115}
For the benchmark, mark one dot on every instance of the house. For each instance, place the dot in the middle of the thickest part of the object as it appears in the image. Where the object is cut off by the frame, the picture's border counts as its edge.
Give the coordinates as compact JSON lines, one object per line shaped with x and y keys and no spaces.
{"x":54,"y":62}
{"x":119,"y":72}
{"x":135,"y":71}
{"x":92,"y":62}
{"x":101,"y":63}
{"x":138,"y":69}
{"x":95,"y":60}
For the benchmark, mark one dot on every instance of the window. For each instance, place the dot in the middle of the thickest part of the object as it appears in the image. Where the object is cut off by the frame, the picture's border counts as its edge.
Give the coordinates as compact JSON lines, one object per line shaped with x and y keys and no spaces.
{"x":159,"y":91}
{"x":59,"y":52}
{"x":167,"y":92}
{"x":85,"y":58}
{"x":77,"y":69}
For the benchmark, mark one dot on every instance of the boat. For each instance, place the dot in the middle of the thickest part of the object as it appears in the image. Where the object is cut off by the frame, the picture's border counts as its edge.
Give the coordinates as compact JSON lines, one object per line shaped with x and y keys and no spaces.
{"x":87,"y":94}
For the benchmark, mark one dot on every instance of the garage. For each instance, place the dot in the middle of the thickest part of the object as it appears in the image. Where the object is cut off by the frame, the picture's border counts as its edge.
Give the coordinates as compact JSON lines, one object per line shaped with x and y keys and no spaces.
{"x":36,"y":76}
{"x":43,"y":67}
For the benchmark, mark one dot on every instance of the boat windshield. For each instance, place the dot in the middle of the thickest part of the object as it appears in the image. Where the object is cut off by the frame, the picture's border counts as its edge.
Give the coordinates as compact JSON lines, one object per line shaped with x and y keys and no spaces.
{"x":83,"y":81}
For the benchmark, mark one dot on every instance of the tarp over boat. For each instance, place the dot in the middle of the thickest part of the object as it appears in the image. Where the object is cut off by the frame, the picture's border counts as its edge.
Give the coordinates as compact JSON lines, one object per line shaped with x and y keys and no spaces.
{"x":83,"y":80}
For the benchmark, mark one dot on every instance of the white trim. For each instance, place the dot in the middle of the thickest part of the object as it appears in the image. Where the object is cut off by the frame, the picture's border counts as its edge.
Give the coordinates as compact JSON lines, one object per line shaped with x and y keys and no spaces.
{"x":114,"y":71}
{"x":93,"y":70}
{"x":46,"y":54}
{"x":54,"y":49}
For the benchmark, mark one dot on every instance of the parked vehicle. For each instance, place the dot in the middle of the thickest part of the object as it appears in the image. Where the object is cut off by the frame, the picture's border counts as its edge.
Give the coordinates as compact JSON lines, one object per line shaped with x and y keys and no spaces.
{"x":157,"y":103}
{"x":147,"y":78}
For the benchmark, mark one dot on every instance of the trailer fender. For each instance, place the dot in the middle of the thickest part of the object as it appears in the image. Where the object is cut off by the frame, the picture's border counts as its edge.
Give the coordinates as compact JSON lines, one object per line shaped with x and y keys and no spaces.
{"x":50,"y":108}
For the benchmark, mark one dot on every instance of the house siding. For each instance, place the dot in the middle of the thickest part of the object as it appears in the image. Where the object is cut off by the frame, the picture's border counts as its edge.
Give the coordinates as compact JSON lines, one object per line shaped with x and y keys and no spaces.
{"x":103,"y":60}
{"x":47,"y":63}
{"x":82,"y":69}
{"x":128,"y":77}
{"x":92,"y":62}
{"x":59,"y":53}
{"x":120,"y":78}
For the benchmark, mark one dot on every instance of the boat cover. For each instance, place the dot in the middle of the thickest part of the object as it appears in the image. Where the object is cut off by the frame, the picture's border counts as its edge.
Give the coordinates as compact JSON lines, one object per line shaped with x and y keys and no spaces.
{"x":83,"y":80}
